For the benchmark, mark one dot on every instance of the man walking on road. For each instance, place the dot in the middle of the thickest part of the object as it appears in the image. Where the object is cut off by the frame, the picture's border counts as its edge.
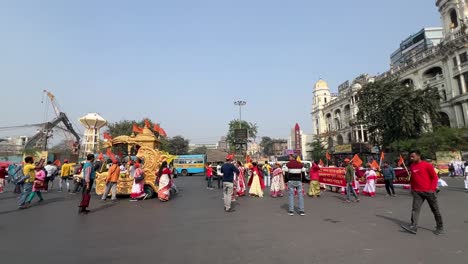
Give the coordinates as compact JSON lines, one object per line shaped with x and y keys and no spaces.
{"x":349,"y":181}
{"x":389,"y":176}
{"x":227,"y":170}
{"x":111,"y":181}
{"x":65,"y":175}
{"x":267,"y":174}
{"x":423,"y":187}
{"x":295,"y":173}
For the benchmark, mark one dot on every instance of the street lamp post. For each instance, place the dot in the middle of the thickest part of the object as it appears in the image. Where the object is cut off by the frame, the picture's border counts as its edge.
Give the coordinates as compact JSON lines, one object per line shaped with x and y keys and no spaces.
{"x":240,"y":104}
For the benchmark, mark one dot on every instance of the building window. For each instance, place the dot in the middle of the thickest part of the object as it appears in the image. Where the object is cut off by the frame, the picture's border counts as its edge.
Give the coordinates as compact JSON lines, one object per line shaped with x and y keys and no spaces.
{"x":455,"y":63}
{"x":463,"y":57}
{"x":325,"y":100}
{"x":459,"y":85}
{"x":453,"y":19}
{"x":443,"y":95}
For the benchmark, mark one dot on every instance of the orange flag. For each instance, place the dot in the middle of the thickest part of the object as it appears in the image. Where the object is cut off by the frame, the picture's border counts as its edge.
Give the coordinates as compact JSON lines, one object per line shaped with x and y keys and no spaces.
{"x":374,"y":165}
{"x":401,"y":161}
{"x":321,"y":163}
{"x":327,"y":155}
{"x":137,"y":129}
{"x":357,"y":161}
{"x":382,"y":156}
{"x":107,"y":136}
{"x":162,"y":132}
{"x":147,"y":123}
{"x":111,"y":155}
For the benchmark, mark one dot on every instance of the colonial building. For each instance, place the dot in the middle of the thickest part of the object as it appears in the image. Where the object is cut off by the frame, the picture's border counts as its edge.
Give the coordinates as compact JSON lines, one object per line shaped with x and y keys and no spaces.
{"x":334,"y":115}
{"x":438,"y":57}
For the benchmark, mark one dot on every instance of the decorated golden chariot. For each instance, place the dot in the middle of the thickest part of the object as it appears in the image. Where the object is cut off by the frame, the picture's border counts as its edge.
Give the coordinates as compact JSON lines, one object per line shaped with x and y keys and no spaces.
{"x":147,"y":144}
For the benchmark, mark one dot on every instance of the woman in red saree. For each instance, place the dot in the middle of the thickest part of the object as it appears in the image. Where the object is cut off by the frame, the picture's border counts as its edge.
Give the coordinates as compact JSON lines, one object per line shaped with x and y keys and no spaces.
{"x":240,"y":183}
{"x":138,"y":188}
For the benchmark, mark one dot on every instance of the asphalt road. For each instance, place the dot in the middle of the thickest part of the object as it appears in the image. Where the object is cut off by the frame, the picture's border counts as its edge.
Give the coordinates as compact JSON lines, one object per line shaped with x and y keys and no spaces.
{"x":193,"y":228}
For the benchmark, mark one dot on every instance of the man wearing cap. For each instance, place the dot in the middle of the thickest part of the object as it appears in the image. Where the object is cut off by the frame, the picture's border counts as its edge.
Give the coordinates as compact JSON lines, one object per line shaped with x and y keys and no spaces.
{"x":349,"y":176}
{"x":295,"y":173}
{"x":65,"y":175}
{"x":227,"y":171}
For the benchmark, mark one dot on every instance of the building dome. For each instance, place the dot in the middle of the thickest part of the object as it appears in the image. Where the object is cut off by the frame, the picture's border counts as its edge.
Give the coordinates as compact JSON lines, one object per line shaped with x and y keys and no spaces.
{"x":321,"y":84}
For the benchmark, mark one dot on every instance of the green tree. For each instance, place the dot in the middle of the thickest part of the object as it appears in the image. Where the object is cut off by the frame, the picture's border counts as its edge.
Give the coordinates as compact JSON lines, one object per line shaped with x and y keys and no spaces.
{"x":318,"y":149}
{"x":441,"y":139}
{"x":178,"y":145}
{"x":252,"y":130}
{"x":394,"y":112}
{"x":267,"y":145}
{"x":125,"y":127}
{"x":199,"y":150}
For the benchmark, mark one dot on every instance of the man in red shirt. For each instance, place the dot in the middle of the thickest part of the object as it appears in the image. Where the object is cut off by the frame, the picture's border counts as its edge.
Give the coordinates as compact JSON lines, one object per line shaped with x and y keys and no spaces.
{"x":423,"y":187}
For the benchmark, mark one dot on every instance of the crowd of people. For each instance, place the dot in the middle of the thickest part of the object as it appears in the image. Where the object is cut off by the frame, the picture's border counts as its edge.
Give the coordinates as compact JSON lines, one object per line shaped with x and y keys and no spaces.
{"x":33,"y":179}
{"x":290,"y":178}
{"x":236,"y":179}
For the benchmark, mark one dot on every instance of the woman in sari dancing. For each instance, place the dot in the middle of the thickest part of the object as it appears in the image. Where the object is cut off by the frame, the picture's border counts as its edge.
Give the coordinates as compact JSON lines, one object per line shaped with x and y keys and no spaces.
{"x":165,"y":182}
{"x":256,"y":183}
{"x":371,"y":177}
{"x":277,"y":183}
{"x":240,"y":183}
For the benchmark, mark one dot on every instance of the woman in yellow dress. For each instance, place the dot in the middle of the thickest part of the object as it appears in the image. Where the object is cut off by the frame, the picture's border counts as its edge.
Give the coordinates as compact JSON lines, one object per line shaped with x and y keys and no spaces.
{"x":256,"y":182}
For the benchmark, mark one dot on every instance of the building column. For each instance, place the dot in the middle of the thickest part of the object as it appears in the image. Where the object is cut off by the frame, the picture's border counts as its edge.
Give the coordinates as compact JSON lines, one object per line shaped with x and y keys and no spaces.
{"x":462,"y":83}
{"x":464,"y":107}
{"x":357,"y":135}
{"x":362,"y":133}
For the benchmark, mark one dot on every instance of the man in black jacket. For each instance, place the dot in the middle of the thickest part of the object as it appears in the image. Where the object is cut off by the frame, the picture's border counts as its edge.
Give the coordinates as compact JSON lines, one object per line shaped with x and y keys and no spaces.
{"x":295,"y":173}
{"x":227,"y":171}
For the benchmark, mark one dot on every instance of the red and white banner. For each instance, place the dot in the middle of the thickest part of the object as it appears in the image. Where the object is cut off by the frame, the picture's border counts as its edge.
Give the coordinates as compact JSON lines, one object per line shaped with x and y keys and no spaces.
{"x":336,"y":177}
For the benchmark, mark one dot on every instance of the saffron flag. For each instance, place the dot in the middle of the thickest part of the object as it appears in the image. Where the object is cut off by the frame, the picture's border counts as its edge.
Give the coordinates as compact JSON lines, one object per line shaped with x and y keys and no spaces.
{"x":107,"y":136}
{"x":374,"y":165}
{"x":357,"y":161}
{"x":401,"y":161}
{"x":111,"y":155}
{"x":137,"y":129}
{"x":382,"y":156}
{"x":148,"y":123}
{"x":327,"y":155}
{"x":162,"y":132}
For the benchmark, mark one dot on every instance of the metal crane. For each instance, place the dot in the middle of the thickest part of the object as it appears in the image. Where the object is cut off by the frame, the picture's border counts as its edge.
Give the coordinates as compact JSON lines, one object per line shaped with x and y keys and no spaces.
{"x":41,"y":138}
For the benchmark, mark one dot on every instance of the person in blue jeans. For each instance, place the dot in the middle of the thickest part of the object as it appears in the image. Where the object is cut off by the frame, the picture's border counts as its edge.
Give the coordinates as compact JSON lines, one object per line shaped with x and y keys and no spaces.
{"x":349,"y":175}
{"x":29,"y":169}
{"x":295,"y":173}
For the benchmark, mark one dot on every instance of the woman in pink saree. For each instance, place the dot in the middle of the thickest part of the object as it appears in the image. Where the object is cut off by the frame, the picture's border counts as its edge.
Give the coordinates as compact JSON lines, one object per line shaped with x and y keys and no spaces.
{"x":240,"y":181}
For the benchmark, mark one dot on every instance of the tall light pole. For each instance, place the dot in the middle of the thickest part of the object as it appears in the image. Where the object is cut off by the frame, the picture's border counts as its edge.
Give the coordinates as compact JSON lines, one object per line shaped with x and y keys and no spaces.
{"x":240,"y":104}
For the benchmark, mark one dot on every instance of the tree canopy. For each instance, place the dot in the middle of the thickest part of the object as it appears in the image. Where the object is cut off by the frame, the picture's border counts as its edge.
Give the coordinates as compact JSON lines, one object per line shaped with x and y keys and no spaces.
{"x":252,"y":130}
{"x":318,"y":150}
{"x":394,"y":112}
{"x":178,"y":145}
{"x":199,"y":150}
{"x":267,"y":146}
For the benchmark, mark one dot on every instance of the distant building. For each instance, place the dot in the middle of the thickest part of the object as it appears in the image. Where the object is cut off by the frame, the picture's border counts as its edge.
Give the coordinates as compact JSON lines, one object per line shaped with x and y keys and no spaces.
{"x":13,"y":146}
{"x":298,"y":141}
{"x":334,"y":115}
{"x":208,"y":146}
{"x":279,"y":146}
{"x":223,"y":144}
{"x":421,"y":41}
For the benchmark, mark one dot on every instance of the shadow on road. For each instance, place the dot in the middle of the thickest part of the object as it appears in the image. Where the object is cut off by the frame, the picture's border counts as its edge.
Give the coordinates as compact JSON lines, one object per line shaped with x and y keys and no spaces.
{"x":399,"y":222}
{"x":104,"y":207}
{"x":34,"y":205}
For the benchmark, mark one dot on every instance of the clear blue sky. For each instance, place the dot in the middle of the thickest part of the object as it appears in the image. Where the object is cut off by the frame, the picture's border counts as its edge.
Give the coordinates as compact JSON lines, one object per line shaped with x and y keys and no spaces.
{"x":183,"y":63}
